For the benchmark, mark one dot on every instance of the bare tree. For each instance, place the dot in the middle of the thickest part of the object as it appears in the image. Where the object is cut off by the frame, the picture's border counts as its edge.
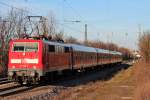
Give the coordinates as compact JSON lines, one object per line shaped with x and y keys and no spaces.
{"x":58,"y":37}
{"x":10,"y":27}
{"x":51,"y":23}
{"x":16,"y":23}
{"x":71,"y":40}
{"x":144,"y":45}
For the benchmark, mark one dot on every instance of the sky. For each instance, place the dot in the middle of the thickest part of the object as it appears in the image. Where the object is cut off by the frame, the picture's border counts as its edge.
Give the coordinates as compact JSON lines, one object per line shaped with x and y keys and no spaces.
{"x":114,"y":21}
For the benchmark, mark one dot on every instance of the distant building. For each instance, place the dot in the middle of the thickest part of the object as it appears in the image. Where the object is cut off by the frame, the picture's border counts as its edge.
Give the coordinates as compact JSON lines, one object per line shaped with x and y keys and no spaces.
{"x":136,"y":54}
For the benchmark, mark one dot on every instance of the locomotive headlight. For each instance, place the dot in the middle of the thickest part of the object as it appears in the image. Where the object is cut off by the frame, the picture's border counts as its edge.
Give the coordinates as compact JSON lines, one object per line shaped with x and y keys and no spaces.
{"x":32,"y":74}
{"x":34,"y":67}
{"x":10,"y":73}
{"x":31,"y":61}
{"x":13,"y":67}
{"x":16,"y":61}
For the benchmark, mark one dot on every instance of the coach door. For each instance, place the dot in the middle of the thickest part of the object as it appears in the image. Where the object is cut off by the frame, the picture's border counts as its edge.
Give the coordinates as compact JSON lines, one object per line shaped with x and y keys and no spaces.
{"x":46,"y":57}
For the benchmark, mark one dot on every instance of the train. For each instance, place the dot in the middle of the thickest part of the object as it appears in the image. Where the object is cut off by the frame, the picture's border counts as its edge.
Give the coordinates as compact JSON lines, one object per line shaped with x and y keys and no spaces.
{"x":31,"y":60}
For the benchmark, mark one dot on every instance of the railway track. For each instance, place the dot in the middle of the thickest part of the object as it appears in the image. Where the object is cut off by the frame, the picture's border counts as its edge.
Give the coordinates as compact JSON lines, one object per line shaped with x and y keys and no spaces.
{"x":4,"y":80}
{"x":9,"y":87}
{"x":49,"y":95}
{"x":15,"y":90}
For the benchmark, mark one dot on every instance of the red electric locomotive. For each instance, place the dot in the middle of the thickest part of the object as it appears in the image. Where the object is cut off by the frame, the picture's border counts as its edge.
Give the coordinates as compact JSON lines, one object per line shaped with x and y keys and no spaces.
{"x":30,"y":60}
{"x":25,"y":60}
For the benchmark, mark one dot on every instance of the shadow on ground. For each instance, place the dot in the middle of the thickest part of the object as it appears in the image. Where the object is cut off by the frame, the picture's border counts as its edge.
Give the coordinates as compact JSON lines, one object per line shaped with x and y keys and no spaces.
{"x":99,"y":73}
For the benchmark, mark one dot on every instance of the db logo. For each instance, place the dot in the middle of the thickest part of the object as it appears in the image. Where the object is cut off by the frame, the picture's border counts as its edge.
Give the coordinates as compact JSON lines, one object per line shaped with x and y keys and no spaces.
{"x":23,"y":66}
{"x":23,"y":54}
{"x":23,"y":61}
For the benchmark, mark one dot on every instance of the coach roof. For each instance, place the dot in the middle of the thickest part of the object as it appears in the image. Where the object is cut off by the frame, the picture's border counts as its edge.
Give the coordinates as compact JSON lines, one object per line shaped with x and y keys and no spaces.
{"x":102,"y":50}
{"x":83,"y":48}
{"x":76,"y":47}
{"x":56,"y":43}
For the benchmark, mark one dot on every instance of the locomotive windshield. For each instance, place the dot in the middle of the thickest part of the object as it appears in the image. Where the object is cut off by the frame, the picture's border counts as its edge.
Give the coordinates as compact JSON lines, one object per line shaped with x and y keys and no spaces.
{"x":25,"y":46}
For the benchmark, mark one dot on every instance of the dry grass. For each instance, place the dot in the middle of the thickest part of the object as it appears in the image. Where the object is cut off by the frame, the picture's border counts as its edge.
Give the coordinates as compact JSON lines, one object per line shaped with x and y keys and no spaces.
{"x":142,"y":73}
{"x":142,"y":70}
{"x":143,"y":92}
{"x":144,"y":45}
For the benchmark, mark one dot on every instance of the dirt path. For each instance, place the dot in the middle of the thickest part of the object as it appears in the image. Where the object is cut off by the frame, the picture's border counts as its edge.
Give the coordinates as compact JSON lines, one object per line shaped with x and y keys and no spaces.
{"x":120,"y":87}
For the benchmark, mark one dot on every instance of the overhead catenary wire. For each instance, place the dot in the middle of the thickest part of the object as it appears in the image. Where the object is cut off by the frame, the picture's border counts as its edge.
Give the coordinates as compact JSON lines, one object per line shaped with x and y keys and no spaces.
{"x":69,"y":5}
{"x":69,"y":27}
{"x":76,"y":30}
{"x":79,"y":15}
{"x":5,"y":4}
{"x":10,"y":6}
{"x":74,"y":10}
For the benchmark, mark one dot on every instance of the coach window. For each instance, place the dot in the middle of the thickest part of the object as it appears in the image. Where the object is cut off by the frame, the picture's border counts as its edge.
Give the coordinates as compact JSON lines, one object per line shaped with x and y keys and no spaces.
{"x":51,"y":48}
{"x":66,"y":49}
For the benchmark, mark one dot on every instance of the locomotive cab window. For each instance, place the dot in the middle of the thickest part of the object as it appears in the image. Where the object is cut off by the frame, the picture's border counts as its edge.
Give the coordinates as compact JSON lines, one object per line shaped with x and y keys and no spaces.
{"x":18,"y":48}
{"x":25,"y":46}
